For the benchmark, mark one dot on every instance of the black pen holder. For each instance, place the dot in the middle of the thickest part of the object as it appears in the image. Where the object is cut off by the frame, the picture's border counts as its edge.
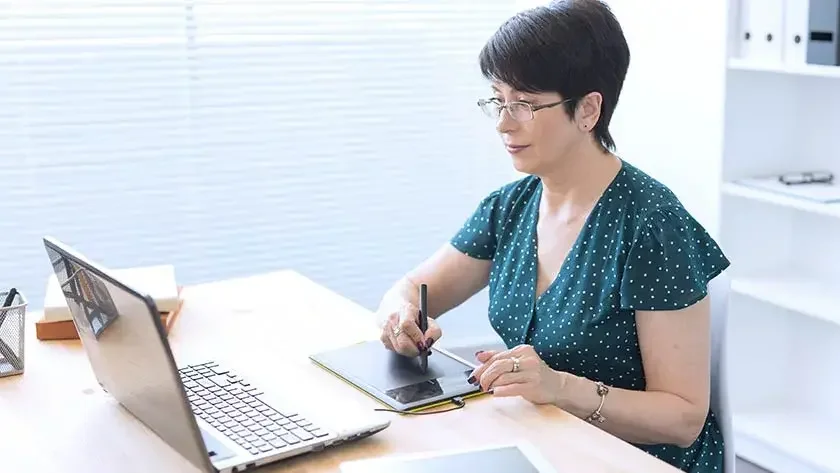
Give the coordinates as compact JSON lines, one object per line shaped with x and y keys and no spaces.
{"x":12,"y":335}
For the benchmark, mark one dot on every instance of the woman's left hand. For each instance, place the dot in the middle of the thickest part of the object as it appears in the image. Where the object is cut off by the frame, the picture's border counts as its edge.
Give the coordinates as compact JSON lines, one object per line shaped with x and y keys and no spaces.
{"x":518,"y":372}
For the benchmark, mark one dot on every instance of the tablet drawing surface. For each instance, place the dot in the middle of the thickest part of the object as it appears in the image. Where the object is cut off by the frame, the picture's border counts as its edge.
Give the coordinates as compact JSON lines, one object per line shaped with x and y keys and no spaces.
{"x":395,"y":379}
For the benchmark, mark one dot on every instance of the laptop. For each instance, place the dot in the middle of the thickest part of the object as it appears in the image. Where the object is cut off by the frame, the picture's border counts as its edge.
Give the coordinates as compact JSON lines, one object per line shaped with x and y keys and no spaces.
{"x":215,"y":418}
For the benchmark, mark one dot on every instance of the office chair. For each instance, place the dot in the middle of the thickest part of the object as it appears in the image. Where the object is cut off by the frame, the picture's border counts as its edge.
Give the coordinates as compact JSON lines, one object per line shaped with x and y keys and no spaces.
{"x":719,"y":304}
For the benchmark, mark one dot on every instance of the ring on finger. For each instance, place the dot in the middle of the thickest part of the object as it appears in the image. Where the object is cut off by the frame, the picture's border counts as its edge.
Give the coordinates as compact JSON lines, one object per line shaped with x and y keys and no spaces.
{"x":396,"y":330}
{"x":515,"y":364}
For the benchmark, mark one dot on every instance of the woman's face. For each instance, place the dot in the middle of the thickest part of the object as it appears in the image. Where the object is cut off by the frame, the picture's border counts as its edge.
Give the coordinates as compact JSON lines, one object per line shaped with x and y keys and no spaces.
{"x":536,"y":145}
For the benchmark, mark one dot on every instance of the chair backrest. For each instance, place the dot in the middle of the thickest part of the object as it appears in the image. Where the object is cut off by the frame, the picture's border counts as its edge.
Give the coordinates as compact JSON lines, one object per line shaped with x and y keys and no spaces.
{"x":719,"y":297}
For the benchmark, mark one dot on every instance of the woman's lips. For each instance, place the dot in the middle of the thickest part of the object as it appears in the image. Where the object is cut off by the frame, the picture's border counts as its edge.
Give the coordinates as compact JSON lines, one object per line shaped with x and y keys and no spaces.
{"x":513,"y":149}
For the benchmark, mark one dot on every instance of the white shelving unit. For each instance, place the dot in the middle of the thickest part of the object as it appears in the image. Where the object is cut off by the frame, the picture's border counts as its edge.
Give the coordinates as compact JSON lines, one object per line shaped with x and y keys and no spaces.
{"x":784,"y":346}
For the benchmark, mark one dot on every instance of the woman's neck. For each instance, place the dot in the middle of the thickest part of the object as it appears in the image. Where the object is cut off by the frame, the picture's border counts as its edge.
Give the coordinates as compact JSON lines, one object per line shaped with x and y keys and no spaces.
{"x":577,"y":182}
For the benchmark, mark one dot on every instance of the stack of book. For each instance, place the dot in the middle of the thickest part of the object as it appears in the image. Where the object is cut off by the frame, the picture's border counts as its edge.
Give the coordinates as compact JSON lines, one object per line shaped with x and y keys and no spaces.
{"x":157,"y":281}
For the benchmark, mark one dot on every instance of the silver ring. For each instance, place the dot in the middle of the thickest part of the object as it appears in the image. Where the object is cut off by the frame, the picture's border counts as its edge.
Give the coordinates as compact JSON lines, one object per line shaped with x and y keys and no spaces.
{"x":396,"y":330}
{"x":515,"y":364}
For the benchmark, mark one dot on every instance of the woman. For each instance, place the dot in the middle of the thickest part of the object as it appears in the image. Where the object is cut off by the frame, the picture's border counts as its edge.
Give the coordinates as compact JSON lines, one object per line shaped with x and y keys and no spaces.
{"x":597,"y":274}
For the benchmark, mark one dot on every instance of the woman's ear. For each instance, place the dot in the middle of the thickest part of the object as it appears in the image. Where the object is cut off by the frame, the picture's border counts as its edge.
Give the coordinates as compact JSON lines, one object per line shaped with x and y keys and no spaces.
{"x":589,"y":111}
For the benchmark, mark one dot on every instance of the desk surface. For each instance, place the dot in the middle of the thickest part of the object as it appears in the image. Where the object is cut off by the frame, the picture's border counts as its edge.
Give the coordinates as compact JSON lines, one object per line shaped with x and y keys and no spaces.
{"x":56,"y":418}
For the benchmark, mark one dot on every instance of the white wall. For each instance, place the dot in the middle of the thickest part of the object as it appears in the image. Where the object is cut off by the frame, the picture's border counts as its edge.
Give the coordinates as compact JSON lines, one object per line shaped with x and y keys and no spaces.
{"x":669,"y":121}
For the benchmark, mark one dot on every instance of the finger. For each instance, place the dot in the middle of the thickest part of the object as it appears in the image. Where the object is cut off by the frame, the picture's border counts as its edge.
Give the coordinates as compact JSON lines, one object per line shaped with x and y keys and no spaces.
{"x":479,"y":372}
{"x":484,"y":356}
{"x":506,"y":379}
{"x":433,"y":333}
{"x":509,"y":390}
{"x":394,"y":320}
{"x":386,"y":340}
{"x":410,"y":329}
{"x":496,"y":369}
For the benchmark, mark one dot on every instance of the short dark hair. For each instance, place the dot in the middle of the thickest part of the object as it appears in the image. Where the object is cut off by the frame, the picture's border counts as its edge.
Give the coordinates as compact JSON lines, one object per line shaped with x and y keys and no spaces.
{"x":571,"y":47}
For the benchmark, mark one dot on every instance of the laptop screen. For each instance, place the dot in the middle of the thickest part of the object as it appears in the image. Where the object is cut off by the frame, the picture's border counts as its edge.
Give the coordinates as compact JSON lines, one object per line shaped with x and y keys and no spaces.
{"x":127,"y":350}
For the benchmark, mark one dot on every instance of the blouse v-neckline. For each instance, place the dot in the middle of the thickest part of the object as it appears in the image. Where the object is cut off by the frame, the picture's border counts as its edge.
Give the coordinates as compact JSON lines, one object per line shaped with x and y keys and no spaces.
{"x":577,"y":245}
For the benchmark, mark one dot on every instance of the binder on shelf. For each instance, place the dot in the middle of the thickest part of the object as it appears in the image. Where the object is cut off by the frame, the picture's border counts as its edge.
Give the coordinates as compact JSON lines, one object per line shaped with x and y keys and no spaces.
{"x":762,"y":35}
{"x":823,"y":28}
{"x":796,"y":32}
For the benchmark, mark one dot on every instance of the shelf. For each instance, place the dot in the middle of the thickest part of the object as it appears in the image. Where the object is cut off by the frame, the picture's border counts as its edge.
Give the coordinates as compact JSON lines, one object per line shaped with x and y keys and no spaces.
{"x":809,"y":296}
{"x":811,"y":70}
{"x":786,"y":438}
{"x":747,"y":192}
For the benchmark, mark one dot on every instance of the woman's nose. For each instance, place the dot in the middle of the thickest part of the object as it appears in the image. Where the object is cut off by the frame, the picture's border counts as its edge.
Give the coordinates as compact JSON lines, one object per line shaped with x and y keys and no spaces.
{"x":505,"y":122}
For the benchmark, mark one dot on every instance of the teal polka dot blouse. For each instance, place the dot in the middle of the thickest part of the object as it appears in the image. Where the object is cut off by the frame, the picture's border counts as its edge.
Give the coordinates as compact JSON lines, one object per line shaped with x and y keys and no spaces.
{"x":639,"y":249}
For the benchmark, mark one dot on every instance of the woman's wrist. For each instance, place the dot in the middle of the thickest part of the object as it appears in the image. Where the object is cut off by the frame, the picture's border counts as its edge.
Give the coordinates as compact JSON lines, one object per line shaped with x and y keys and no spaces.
{"x":562,"y":380}
{"x":577,"y":395}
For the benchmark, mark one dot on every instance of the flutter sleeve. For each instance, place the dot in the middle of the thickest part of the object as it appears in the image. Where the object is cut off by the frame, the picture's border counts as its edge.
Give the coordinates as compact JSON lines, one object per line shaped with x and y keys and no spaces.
{"x":670,"y":262}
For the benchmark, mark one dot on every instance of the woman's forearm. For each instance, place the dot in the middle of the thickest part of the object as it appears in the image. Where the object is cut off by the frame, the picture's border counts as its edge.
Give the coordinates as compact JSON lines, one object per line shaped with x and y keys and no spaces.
{"x":641,"y":417}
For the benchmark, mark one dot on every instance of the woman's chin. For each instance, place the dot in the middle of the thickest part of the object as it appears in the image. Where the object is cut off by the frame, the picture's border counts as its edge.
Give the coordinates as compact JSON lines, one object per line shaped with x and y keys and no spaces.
{"x":525,"y":166}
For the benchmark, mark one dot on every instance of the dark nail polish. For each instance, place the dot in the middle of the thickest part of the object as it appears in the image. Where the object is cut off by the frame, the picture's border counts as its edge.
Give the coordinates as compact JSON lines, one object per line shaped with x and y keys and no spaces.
{"x":430,"y":342}
{"x":421,"y":346}
{"x":471,"y":380}
{"x":479,"y":352}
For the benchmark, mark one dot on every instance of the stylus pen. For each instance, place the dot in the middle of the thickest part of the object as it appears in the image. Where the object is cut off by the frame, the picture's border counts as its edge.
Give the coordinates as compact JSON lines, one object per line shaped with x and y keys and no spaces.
{"x":424,"y":325}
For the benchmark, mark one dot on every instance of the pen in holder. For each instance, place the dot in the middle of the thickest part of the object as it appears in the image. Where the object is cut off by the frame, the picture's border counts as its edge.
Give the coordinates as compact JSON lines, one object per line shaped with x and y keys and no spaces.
{"x":12,"y":313}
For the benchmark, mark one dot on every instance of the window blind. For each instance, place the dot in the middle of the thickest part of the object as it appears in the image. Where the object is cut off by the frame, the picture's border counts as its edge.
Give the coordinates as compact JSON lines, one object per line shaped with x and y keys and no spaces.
{"x":337,"y":138}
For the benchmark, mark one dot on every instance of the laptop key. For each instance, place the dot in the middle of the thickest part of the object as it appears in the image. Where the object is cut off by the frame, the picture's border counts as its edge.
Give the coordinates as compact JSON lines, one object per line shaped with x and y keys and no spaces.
{"x":278,"y":443}
{"x":266,"y":448}
{"x":301,"y":434}
{"x":318,"y":433}
{"x":220,"y":380}
{"x":290,"y":439}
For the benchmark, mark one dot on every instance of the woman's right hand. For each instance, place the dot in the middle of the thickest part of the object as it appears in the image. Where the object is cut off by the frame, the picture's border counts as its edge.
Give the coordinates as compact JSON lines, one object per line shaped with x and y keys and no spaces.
{"x":401,"y":331}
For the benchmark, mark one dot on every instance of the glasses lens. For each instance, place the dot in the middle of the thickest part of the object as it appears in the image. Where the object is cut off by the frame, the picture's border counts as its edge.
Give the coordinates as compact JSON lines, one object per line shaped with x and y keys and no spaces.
{"x":520,"y":111}
{"x":489,"y":107}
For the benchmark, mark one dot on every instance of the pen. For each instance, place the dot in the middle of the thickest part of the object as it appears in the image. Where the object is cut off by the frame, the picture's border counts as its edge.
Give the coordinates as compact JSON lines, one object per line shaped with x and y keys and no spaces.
{"x":10,"y":297}
{"x":424,"y":325}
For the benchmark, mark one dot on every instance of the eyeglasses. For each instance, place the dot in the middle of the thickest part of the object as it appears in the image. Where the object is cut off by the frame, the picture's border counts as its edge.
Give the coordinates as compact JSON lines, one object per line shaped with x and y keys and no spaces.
{"x":519,"y":111}
{"x":819,"y":177}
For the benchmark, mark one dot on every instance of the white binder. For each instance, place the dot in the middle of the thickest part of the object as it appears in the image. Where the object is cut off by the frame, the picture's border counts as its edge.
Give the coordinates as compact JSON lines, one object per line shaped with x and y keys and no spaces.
{"x":796,"y":27}
{"x":762,"y":32}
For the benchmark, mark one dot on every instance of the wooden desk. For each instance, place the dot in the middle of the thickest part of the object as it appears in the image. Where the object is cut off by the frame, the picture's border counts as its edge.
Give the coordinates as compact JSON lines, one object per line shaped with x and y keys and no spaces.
{"x":55,"y":418}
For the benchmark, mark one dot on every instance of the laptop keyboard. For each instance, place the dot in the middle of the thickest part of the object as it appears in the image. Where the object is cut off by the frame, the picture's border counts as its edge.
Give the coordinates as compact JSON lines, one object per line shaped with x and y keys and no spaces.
{"x":232,"y":405}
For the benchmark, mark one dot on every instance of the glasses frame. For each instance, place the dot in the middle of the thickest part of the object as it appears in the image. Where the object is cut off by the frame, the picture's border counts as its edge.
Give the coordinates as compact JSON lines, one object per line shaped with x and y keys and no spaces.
{"x":531,"y":107}
{"x":809,"y":177}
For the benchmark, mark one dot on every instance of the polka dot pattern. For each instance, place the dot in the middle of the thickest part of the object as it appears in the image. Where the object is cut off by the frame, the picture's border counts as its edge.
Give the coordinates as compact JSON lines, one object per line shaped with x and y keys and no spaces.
{"x":639,"y":249}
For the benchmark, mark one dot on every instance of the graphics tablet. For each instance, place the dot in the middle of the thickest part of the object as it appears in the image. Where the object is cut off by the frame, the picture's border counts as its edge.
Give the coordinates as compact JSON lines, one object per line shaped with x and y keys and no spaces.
{"x":506,"y":458}
{"x":397,"y":380}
